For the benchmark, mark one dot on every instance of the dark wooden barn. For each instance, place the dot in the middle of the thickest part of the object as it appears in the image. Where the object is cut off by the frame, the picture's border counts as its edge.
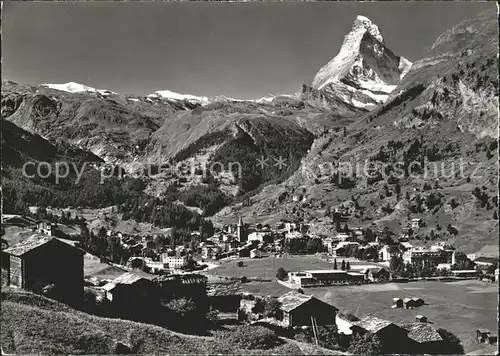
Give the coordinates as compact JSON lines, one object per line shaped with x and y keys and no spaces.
{"x":189,"y":286}
{"x":224,"y":295}
{"x":132,"y":296}
{"x":44,"y":261}
{"x":392,"y":336}
{"x":130,"y":290}
{"x":298,"y":309}
{"x":423,"y":338}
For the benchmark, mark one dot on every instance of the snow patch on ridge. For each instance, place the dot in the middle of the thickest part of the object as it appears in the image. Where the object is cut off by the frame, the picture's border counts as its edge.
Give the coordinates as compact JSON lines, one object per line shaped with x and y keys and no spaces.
{"x":72,"y":87}
{"x":167,"y":94}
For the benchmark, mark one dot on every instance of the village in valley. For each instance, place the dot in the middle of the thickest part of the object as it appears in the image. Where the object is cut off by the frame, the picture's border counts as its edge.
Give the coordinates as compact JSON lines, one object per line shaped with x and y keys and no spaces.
{"x":325,"y":186}
{"x":278,"y":276}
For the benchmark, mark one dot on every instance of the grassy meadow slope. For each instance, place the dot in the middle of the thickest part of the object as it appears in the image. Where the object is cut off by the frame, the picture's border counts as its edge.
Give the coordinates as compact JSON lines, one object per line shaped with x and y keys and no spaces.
{"x":35,"y":324}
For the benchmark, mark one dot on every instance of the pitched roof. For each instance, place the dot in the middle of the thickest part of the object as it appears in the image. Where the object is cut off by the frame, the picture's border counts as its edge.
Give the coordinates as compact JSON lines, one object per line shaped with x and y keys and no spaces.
{"x":293,"y":300}
{"x":485,"y":259}
{"x":373,"y":324}
{"x":127,"y":278}
{"x":421,"y":332}
{"x":484,"y":331}
{"x":190,"y":278}
{"x":218,"y":289}
{"x":32,"y":243}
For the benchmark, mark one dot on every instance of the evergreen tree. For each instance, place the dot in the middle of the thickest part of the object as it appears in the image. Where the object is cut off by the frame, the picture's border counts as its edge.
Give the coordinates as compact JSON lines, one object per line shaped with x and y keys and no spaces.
{"x":342,"y":266}
{"x":397,"y":189}
{"x":335,"y":266}
{"x":281,"y":274}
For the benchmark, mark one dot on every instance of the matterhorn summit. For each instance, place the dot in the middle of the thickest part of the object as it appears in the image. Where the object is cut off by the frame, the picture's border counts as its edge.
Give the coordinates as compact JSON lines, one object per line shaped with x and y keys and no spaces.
{"x":365,"y":71}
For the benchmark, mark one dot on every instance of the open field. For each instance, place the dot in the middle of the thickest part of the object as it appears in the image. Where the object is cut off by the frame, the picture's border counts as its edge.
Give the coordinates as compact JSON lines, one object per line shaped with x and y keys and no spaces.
{"x":266,"y":267}
{"x":460,"y":307}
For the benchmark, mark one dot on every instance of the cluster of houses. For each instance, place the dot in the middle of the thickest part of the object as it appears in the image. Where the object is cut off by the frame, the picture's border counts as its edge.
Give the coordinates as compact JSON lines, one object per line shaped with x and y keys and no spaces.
{"x":242,"y":240}
{"x":299,"y":311}
{"x":43,"y":260}
{"x":441,"y":256}
{"x":407,"y":303}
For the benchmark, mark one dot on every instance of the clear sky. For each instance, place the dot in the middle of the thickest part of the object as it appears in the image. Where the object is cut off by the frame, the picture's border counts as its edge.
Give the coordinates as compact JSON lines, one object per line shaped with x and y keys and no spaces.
{"x":243,"y":50}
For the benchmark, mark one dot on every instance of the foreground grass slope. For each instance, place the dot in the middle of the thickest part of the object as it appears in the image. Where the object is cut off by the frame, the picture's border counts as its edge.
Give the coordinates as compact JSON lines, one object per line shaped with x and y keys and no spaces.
{"x":35,"y":324}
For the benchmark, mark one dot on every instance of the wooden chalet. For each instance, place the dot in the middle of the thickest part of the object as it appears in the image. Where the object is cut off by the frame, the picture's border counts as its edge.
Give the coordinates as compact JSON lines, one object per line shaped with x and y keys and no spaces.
{"x":224,"y":295}
{"x":423,"y":338}
{"x":42,"y":260}
{"x":392,"y":336}
{"x":298,"y":310}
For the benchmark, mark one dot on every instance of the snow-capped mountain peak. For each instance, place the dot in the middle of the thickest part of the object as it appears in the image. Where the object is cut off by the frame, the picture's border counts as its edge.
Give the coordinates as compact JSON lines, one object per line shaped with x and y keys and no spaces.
{"x":365,"y":24}
{"x":72,"y":87}
{"x":365,"y":70}
{"x":167,"y":94}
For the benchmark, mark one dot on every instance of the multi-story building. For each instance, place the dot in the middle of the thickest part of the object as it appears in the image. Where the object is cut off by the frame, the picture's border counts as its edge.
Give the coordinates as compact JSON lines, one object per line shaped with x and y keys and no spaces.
{"x":416,"y":223}
{"x":291,"y":227}
{"x":343,"y":247}
{"x":210,"y":252}
{"x":458,"y":257}
{"x":174,"y":262}
{"x":425,"y":257}
{"x":315,"y":278}
{"x":260,"y":236}
{"x":387,"y":252}
{"x":330,"y":243}
{"x":46,"y":227}
{"x":294,"y":235}
{"x":343,"y":236}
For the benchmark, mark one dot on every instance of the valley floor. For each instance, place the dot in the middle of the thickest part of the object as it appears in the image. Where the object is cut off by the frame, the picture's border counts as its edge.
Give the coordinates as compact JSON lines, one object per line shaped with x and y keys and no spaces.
{"x":460,"y":307}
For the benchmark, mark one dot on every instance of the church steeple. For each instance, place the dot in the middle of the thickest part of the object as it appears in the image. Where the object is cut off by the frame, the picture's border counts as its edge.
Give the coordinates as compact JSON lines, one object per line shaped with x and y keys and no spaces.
{"x":240,"y":230}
